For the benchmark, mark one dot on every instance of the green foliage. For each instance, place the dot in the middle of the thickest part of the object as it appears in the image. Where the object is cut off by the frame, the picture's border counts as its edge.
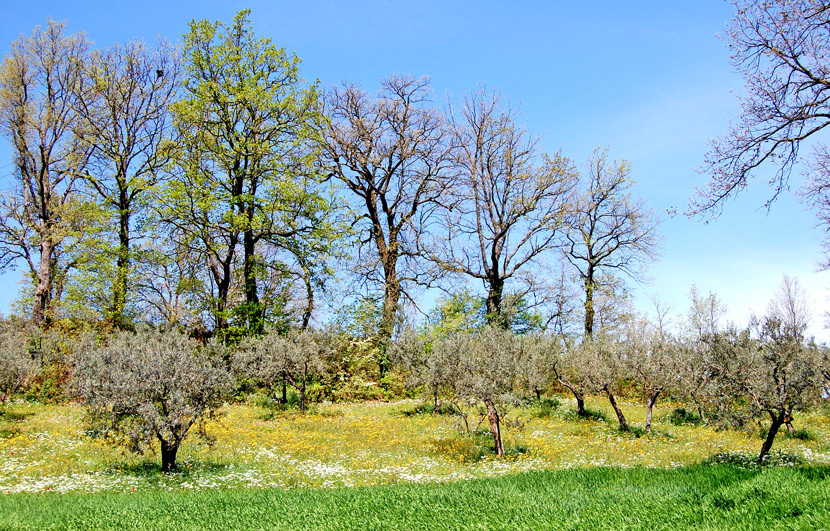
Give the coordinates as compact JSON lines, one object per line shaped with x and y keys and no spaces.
{"x":681,"y":416}
{"x":802,"y":434}
{"x":547,"y":407}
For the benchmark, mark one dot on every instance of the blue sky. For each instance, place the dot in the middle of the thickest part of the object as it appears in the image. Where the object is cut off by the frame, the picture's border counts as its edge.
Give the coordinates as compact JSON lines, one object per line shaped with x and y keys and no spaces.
{"x":650,"y":80}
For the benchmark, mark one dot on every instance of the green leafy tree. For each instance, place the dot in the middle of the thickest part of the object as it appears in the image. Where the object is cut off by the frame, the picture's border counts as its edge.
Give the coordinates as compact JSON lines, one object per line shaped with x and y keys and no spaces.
{"x":247,"y":170}
{"x":126,"y":94}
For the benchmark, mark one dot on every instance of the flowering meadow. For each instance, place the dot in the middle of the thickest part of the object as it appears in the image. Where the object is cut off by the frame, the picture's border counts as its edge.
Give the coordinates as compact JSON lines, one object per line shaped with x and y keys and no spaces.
{"x":45,"y":448}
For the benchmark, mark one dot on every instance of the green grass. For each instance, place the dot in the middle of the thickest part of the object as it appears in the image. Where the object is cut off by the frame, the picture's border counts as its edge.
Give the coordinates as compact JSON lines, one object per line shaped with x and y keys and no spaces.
{"x":701,"y":496}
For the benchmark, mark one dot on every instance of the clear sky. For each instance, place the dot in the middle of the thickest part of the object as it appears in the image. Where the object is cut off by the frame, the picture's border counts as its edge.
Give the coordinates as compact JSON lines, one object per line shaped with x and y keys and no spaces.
{"x":650,"y":80}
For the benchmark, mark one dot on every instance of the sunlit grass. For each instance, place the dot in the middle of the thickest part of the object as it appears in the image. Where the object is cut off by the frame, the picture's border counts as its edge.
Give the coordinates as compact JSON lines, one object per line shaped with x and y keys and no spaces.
{"x":45,"y":448}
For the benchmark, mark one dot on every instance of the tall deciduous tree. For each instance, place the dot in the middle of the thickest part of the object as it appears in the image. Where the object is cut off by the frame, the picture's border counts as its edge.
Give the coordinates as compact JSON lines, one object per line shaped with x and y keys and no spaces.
{"x":611,"y":231}
{"x":124,"y":105}
{"x":391,"y":152}
{"x":509,"y":202}
{"x":39,"y":100}
{"x":247,"y":124}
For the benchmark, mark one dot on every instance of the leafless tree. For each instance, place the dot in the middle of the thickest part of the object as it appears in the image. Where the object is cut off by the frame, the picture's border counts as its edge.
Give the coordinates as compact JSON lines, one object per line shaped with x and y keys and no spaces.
{"x":611,"y":232}
{"x":392,"y":153}
{"x":510,"y":202}
{"x":780,"y":48}
{"x":39,"y":94}
{"x":127,"y":90}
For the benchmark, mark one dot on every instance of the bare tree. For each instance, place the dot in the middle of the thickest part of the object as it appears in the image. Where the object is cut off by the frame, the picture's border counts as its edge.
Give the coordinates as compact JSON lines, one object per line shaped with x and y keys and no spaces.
{"x":509,"y":203}
{"x":781,"y":49}
{"x":611,"y":231}
{"x":124,"y":108}
{"x":39,"y":95}
{"x":391,"y":153}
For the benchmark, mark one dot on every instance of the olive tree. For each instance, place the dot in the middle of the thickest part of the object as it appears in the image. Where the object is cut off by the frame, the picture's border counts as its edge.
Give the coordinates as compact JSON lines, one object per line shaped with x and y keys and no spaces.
{"x":274,"y":358}
{"x":483,"y":368}
{"x":776,"y":369}
{"x":150,"y":386}
{"x":17,"y":364}
{"x":651,"y":357}
{"x":603,"y":366}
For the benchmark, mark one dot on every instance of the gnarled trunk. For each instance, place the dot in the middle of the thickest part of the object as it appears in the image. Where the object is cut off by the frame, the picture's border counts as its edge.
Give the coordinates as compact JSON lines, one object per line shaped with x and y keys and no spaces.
{"x":168,"y":455}
{"x":776,"y":421}
{"x":650,"y":400}
{"x":617,"y":410}
{"x":495,"y":429}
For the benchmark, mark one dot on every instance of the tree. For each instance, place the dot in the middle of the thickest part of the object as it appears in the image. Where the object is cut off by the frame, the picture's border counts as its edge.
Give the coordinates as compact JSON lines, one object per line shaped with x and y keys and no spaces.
{"x":39,"y":101}
{"x":651,"y":357}
{"x":248,"y":126}
{"x":126,"y":94}
{"x":780,"y":48}
{"x":484,"y":368}
{"x":602,"y":367}
{"x":149,"y":386}
{"x":508,"y":205}
{"x":777,"y":371}
{"x":695,"y":352}
{"x":17,"y":364}
{"x":273,"y":358}
{"x":392,"y":154}
{"x":611,"y":231}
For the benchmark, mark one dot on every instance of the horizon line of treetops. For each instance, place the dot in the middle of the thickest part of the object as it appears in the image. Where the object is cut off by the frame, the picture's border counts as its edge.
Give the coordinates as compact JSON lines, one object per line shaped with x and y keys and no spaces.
{"x":208,"y":186}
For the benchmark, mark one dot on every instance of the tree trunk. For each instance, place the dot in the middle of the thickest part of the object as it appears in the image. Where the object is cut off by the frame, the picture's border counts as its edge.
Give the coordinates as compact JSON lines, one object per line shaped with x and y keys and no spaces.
{"x":493,"y":302}
{"x":253,"y":312}
{"x":589,"y":301}
{"x":493,"y":417}
{"x":168,"y":455}
{"x":302,"y":389}
{"x":391,"y":295}
{"x":122,"y":266}
{"x":617,"y":410}
{"x":579,"y":395}
{"x":43,"y":291}
{"x":309,"y":294}
{"x":776,"y":422}
{"x":284,"y":388}
{"x":650,"y":400}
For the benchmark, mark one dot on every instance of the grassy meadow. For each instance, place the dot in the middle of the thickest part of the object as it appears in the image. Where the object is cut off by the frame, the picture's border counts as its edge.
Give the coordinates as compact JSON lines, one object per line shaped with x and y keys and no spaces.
{"x":53,"y":474}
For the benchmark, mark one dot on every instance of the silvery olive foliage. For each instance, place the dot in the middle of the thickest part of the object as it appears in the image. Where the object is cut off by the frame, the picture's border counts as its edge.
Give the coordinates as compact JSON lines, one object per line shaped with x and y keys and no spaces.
{"x":273,"y":358}
{"x":481,"y":368}
{"x":773,"y":367}
{"x":17,"y":362}
{"x":150,"y":386}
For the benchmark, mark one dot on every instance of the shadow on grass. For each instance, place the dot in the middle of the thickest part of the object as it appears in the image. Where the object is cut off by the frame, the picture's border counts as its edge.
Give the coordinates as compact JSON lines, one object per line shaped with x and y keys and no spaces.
{"x":430,"y":409}
{"x":152,"y":469}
